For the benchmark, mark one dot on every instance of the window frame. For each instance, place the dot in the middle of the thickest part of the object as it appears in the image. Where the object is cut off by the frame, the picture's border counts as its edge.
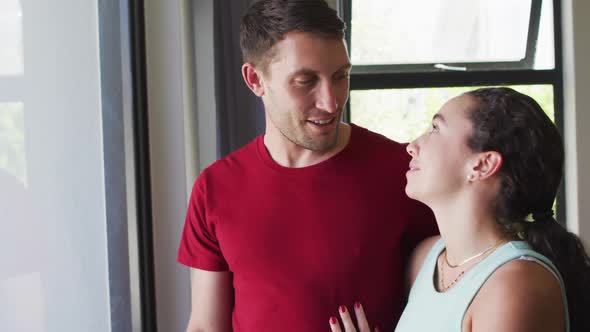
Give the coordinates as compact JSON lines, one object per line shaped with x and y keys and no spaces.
{"x":376,"y":77}
{"x":134,"y":21}
{"x":525,"y":64}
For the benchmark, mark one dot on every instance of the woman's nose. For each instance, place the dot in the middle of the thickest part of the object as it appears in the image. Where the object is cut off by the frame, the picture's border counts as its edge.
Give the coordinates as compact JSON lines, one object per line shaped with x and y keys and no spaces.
{"x":412,"y":148}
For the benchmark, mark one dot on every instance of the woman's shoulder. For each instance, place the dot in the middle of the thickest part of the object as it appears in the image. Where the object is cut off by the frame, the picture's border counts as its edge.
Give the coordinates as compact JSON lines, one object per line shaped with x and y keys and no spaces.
{"x":525,"y":294}
{"x":521,"y":277}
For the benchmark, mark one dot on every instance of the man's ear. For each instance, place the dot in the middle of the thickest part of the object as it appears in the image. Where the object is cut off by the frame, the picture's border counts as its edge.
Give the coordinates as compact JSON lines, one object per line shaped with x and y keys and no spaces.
{"x":253,"y":79}
{"x":486,"y":165}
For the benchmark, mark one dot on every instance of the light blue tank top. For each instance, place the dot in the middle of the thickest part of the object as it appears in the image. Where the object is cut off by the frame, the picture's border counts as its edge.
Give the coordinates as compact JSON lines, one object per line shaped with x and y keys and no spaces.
{"x":430,"y":310}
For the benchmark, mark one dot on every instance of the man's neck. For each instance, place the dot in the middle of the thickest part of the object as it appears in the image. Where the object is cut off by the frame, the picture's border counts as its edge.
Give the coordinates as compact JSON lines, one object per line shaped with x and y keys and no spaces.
{"x":288,"y":154}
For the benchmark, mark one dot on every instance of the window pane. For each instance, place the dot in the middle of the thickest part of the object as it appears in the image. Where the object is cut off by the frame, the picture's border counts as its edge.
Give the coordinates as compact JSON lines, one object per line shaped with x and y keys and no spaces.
{"x":452,"y":31}
{"x":55,"y":268}
{"x":545,"y":56}
{"x":12,"y":141}
{"x":404,"y":114}
{"x":11,"y":54}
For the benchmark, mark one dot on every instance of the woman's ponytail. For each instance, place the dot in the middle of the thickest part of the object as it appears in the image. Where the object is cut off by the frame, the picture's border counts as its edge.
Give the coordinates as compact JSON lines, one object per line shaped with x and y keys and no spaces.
{"x":567,"y":252}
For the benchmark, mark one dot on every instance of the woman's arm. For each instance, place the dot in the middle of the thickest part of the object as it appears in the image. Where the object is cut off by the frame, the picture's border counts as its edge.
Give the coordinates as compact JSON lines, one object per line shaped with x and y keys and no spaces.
{"x":521,"y":296}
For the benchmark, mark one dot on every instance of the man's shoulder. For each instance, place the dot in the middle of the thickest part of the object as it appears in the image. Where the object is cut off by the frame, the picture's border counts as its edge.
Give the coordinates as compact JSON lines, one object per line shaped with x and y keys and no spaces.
{"x":245,"y":154}
{"x":371,"y":141}
{"x":234,"y":163}
{"x":374,"y":137}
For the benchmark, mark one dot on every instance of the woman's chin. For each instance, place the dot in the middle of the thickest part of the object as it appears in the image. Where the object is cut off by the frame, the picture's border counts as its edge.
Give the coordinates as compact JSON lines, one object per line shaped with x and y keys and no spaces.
{"x":415,"y":194}
{"x":410,"y":192}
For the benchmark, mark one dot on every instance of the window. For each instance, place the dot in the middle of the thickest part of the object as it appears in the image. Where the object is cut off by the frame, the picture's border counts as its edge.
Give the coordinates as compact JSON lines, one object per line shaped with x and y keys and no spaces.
{"x":410,"y":57}
{"x":12,"y":156}
{"x":428,"y":35}
{"x":62,"y":195}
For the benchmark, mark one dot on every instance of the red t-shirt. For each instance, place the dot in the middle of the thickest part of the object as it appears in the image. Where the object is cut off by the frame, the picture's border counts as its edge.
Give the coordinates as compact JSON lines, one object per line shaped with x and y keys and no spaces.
{"x":302,"y":241}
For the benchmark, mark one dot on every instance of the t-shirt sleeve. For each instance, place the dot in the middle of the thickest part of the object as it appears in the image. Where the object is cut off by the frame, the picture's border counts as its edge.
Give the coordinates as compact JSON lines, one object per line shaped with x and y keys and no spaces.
{"x":199,"y":247}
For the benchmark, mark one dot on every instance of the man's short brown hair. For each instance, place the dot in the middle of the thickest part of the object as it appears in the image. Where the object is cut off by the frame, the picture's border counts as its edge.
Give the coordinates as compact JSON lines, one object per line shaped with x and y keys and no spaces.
{"x":267,"y":21}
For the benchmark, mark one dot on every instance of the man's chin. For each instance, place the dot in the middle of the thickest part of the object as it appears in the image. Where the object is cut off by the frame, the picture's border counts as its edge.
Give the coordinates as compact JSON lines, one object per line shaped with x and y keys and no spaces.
{"x":322,"y":144}
{"x":316,"y":147}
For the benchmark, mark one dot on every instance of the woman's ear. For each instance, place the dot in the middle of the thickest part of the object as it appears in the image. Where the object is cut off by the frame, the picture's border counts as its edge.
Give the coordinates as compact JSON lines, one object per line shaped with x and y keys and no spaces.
{"x":253,"y":79}
{"x":486,"y":165}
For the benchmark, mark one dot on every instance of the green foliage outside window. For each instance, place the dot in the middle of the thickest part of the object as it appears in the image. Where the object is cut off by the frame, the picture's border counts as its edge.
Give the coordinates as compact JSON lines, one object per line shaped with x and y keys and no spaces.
{"x":404,"y":114}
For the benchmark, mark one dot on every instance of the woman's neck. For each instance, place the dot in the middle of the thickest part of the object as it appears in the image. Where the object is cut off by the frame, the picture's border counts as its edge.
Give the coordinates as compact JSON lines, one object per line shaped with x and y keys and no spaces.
{"x":466,"y":228}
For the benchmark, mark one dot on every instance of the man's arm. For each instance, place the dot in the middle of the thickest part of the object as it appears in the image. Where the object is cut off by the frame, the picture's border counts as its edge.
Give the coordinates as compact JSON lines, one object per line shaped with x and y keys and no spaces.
{"x":211,"y":301}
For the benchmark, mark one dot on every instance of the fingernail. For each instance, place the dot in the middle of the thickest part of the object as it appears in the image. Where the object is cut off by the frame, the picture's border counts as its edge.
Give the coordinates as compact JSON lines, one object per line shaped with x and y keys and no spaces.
{"x":357,"y":305}
{"x":332,"y":320}
{"x":342,"y":309}
{"x":377,"y":329}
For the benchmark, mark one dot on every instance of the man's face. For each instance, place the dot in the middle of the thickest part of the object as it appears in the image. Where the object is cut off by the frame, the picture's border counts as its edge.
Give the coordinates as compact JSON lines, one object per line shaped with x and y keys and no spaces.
{"x":305,"y":87}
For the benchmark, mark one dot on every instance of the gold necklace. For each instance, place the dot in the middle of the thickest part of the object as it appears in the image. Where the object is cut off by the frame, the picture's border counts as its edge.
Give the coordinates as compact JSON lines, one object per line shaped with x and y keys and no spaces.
{"x":485,"y":251}
{"x":441,"y":281}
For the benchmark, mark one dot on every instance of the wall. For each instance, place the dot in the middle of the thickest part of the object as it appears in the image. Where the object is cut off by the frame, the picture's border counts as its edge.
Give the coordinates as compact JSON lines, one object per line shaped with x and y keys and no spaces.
{"x":174,"y":143}
{"x":577,"y":118}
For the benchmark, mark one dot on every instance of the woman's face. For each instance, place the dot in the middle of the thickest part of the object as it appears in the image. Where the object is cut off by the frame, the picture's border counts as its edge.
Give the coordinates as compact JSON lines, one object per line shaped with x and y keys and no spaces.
{"x":439,"y":168}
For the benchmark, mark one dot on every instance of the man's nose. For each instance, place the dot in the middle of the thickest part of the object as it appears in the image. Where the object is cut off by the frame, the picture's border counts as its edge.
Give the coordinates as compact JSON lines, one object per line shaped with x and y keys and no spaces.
{"x":326,"y":98}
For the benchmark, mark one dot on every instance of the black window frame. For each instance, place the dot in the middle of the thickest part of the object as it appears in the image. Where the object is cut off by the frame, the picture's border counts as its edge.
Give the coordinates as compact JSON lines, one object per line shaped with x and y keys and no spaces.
{"x":376,"y":77}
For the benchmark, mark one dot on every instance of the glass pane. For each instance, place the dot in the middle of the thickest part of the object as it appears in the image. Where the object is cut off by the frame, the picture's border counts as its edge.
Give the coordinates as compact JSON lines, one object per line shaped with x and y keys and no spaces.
{"x":545,"y":56}
{"x":404,"y":114}
{"x":54,"y":272}
{"x":11,"y":46}
{"x":426,"y":31}
{"x":12,"y":141}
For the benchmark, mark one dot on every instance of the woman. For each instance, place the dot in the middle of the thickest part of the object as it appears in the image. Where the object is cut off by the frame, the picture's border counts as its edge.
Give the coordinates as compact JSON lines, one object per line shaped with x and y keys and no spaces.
{"x":489,"y":168}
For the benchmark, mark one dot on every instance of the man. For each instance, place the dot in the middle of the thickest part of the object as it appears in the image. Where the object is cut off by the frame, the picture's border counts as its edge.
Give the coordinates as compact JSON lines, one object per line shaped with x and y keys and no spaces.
{"x":312,"y":214}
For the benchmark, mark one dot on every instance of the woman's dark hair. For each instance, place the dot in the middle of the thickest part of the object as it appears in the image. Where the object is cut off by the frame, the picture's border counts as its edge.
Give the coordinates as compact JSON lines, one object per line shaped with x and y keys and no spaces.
{"x":267,"y":21}
{"x":514,"y":125}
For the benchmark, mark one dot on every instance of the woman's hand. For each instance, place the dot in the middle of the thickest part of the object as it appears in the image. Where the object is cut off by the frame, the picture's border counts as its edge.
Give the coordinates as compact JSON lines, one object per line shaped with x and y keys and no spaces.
{"x":363,"y":325}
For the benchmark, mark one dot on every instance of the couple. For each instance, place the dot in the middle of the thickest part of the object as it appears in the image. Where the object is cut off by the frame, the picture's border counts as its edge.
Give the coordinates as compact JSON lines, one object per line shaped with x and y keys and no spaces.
{"x":314,"y":214}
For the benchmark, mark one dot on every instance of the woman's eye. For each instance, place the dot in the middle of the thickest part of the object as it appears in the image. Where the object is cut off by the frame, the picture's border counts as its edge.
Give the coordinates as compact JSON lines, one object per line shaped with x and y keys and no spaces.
{"x":433,"y":128}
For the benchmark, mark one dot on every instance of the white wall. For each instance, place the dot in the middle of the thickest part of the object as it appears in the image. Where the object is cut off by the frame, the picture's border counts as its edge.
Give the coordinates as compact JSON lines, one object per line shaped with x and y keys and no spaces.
{"x":53,"y":246}
{"x":183,"y":141}
{"x":577,"y":116}
{"x":175,"y":146}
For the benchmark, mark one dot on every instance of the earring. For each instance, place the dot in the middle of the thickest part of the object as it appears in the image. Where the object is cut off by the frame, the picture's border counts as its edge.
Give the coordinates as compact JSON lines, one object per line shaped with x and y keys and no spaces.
{"x":470,"y":177}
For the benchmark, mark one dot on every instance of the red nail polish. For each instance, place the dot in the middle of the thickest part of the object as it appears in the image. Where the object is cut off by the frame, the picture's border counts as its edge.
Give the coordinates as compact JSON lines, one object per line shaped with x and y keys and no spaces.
{"x":342,"y":309}
{"x":332,"y":320}
{"x":357,"y":305}
{"x":377,"y":329}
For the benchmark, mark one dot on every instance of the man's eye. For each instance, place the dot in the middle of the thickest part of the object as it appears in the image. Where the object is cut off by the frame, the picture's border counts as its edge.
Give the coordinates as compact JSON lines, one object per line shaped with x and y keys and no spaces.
{"x":304,"y":82}
{"x":342,"y":76}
